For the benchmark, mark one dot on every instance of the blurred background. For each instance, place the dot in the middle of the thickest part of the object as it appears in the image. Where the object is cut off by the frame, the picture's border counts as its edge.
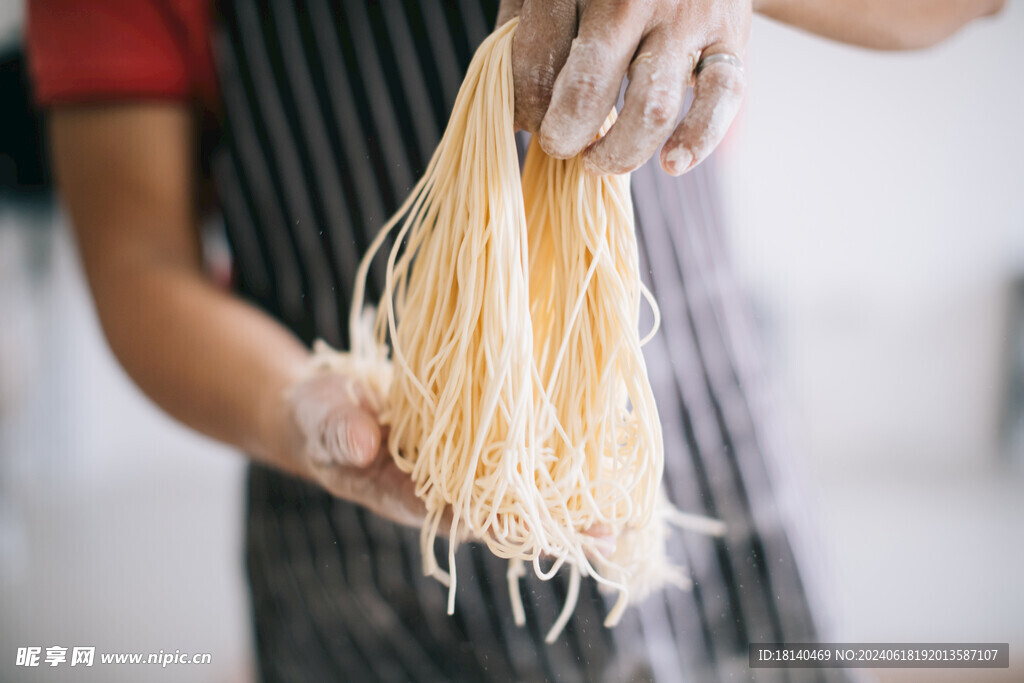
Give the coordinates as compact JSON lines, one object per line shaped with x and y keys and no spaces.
{"x":877,"y":212}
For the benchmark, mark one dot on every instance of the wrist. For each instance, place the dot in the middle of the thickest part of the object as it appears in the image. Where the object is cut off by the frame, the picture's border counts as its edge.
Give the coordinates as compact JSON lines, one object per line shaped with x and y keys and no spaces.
{"x":279,"y":440}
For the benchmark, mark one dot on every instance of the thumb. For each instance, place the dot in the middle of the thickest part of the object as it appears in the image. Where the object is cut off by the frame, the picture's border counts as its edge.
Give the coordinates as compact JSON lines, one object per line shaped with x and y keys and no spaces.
{"x":352,"y":438}
{"x":507,"y":10}
{"x":539,"y":51}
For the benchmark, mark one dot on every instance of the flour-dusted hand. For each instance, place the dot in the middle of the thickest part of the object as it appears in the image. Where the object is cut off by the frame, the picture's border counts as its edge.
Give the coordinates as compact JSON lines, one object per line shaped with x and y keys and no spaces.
{"x":570,"y":58}
{"x":342,"y":447}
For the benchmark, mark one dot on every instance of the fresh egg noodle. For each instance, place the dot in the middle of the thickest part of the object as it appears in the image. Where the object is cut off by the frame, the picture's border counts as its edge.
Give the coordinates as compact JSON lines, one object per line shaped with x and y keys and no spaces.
{"x":516,"y":394}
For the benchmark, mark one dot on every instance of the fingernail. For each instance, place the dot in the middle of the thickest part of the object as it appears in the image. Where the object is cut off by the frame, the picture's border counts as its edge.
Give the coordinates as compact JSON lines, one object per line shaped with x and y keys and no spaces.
{"x":357,"y":444}
{"x":678,"y":160}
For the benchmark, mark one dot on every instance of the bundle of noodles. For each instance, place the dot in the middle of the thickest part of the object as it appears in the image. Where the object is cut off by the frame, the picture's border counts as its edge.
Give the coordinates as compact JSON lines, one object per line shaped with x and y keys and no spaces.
{"x":517,"y":394}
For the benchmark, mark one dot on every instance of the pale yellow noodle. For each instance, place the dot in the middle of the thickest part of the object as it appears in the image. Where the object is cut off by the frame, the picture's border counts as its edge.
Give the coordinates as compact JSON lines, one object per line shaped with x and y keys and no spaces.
{"x":517,"y":395}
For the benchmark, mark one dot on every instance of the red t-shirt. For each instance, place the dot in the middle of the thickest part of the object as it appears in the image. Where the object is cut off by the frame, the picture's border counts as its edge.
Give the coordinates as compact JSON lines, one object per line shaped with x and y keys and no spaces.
{"x":86,"y":51}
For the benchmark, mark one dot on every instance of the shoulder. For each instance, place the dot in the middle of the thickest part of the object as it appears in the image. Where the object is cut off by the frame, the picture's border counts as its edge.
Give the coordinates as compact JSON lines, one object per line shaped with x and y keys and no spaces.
{"x":87,"y":51}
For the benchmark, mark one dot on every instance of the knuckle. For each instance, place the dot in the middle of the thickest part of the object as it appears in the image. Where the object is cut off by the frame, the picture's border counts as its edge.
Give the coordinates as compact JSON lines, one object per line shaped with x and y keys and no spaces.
{"x":587,"y":89}
{"x":660,"y":110}
{"x":621,"y":12}
{"x":642,"y":62}
{"x":657,"y":114}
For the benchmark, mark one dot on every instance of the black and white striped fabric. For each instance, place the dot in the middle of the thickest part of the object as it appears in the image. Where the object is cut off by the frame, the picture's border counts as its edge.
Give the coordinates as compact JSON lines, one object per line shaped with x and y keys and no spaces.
{"x":332,"y":109}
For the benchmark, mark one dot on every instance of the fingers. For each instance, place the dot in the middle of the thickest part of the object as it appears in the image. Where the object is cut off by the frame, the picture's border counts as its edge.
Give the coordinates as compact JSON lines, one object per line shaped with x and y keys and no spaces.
{"x":717,"y":94}
{"x":381,"y":488}
{"x":392,"y":494}
{"x":654,"y":98}
{"x":587,"y":87}
{"x":357,"y":437}
{"x":539,"y":50}
{"x":336,"y":428}
{"x":345,"y":435}
{"x":565,"y":91}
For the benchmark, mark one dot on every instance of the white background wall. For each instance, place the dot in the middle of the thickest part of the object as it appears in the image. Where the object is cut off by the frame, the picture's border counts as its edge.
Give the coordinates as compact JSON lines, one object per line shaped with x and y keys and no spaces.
{"x":119,"y":529}
{"x":877,"y":202}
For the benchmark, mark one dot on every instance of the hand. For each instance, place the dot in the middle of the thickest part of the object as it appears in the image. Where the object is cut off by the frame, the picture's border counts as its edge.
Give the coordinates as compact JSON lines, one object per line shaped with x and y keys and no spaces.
{"x":569,"y":58}
{"x":342,"y":447}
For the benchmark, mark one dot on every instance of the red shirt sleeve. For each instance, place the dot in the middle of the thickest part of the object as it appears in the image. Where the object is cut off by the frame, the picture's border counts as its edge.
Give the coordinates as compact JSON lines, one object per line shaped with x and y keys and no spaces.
{"x":89,"y":51}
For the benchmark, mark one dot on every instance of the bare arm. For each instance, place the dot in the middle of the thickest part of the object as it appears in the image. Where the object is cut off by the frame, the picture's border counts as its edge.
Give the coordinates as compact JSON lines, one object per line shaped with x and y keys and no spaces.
{"x":207,"y":358}
{"x":880,"y":24}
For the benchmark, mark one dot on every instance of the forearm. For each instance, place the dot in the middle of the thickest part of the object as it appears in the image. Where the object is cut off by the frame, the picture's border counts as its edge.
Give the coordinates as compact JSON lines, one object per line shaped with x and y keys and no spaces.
{"x":214,"y":362}
{"x":208,"y":359}
{"x":879,"y":24}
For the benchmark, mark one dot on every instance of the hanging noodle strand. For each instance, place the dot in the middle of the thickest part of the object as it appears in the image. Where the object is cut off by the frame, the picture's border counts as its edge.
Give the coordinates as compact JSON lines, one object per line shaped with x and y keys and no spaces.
{"x":516,"y":393}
